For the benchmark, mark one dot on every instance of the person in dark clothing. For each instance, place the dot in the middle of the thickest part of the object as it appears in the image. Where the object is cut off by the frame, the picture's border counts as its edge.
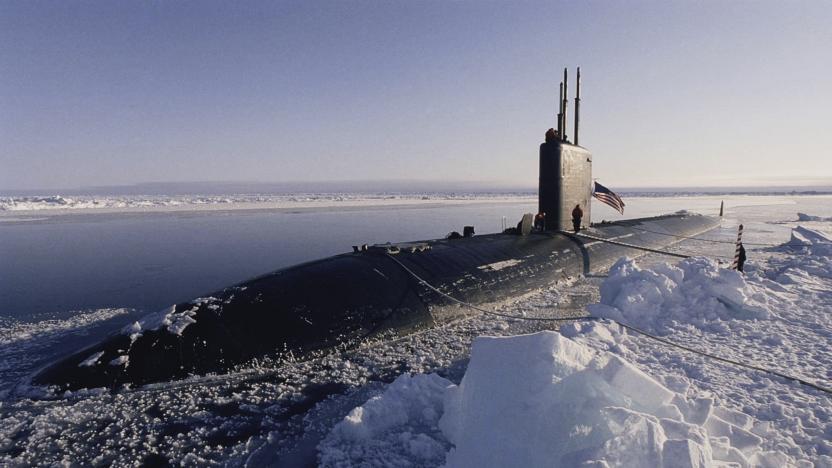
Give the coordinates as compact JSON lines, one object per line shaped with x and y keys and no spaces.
{"x":540,"y":221}
{"x":577,"y":214}
{"x":741,"y":259}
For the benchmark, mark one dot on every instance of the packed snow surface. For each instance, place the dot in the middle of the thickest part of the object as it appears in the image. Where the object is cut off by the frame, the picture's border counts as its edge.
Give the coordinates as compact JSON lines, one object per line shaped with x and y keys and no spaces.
{"x":546,"y":400}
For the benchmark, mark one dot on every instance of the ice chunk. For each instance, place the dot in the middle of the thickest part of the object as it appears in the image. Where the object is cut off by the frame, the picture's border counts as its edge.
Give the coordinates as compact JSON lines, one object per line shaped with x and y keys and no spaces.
{"x":134,"y":330}
{"x":179,"y":322}
{"x":769,"y":460}
{"x":722,"y":450}
{"x":120,"y":361}
{"x":541,"y":400}
{"x":173,"y":321}
{"x":696,"y":292}
{"x":685,"y":453}
{"x":595,"y":408}
{"x":734,"y":417}
{"x":391,"y":428}
{"x":806,"y":217}
{"x":695,"y":411}
{"x":152,"y":321}
{"x":637,"y":439}
{"x":92,"y":360}
{"x":740,"y":439}
{"x":644,"y":391}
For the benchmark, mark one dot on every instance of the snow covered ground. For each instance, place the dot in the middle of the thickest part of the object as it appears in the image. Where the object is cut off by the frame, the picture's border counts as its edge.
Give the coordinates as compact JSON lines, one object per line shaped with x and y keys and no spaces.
{"x":639,"y":204}
{"x":112,"y":203}
{"x":489,"y":391}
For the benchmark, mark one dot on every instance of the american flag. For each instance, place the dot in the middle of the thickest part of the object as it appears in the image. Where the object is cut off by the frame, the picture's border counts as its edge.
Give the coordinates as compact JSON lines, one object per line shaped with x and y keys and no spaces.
{"x":609,"y":197}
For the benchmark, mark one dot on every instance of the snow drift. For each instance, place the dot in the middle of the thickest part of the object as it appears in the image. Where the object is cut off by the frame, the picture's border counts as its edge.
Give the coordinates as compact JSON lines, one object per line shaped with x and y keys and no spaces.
{"x":544,"y":400}
{"x":696,"y":291}
{"x":816,"y":243}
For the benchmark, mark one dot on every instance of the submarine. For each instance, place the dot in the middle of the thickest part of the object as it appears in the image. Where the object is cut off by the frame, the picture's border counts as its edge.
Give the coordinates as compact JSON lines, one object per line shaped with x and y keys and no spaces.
{"x":381,"y":291}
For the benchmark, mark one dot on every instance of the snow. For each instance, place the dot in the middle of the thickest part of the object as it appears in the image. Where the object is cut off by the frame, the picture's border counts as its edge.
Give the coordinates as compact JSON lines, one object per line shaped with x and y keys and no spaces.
{"x":544,"y":400}
{"x":486,"y":385}
{"x":818,"y":243}
{"x":806,"y":217}
{"x":92,"y":360}
{"x":595,"y":395}
{"x":152,"y":321}
{"x":122,"y":360}
{"x":697,"y":291}
{"x":399,"y":425}
{"x":497,"y":266}
{"x":24,"y":346}
{"x":639,"y":204}
{"x":173,"y":321}
{"x":113,"y":203}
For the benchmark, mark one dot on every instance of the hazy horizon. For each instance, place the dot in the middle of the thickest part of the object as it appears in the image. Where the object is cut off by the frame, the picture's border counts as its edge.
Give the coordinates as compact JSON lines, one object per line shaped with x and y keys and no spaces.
{"x":674,"y":93}
{"x":374,"y":186}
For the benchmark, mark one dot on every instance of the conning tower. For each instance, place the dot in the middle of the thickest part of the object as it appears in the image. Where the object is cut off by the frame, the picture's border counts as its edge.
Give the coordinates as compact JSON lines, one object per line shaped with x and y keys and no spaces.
{"x":565,"y":169}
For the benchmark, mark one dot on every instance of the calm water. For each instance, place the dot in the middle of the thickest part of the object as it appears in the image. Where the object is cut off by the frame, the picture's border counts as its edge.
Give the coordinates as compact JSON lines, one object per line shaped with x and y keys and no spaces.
{"x":148,"y":261}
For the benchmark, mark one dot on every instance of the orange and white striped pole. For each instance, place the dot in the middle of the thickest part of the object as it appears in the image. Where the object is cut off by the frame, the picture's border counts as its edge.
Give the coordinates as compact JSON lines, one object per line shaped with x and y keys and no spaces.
{"x":736,"y":261}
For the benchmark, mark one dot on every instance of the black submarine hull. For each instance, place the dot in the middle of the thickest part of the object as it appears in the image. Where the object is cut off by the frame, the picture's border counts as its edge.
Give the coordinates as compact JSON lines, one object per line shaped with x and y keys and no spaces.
{"x":342,"y":300}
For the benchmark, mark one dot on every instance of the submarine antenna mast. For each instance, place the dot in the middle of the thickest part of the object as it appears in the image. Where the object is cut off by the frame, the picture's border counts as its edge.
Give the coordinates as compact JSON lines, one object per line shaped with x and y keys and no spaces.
{"x":577,"y":103}
{"x":560,"y":111}
{"x":564,"y":105}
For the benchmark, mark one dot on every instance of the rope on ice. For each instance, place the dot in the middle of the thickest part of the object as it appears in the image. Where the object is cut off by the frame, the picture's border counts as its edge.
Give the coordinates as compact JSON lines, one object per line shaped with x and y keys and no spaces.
{"x":628,"y":327}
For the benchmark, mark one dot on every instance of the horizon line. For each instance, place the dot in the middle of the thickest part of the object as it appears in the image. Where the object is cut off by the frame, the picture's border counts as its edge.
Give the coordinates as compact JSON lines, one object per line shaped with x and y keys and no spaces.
{"x":387,"y":185}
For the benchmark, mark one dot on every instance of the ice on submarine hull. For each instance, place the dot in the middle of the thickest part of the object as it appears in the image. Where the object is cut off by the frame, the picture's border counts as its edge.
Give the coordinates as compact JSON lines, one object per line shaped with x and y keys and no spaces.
{"x":340,"y":301}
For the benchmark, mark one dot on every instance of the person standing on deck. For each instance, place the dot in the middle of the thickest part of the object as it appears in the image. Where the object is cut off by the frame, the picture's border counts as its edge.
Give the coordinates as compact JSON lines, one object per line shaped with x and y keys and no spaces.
{"x":741,"y":258}
{"x":577,"y":214}
{"x":540,"y":221}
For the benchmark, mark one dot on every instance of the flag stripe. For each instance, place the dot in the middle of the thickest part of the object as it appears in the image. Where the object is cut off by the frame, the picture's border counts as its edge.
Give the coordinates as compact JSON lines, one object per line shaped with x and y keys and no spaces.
{"x":603,"y":196}
{"x":610,"y":201}
{"x":608,"y":197}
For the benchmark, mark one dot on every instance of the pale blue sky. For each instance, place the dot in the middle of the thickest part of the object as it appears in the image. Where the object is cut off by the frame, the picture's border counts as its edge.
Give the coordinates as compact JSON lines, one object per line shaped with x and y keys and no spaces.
{"x":675,"y":93}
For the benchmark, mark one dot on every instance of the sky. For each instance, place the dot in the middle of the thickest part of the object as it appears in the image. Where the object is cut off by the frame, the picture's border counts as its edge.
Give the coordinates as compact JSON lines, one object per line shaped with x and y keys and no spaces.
{"x":691,"y":93}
